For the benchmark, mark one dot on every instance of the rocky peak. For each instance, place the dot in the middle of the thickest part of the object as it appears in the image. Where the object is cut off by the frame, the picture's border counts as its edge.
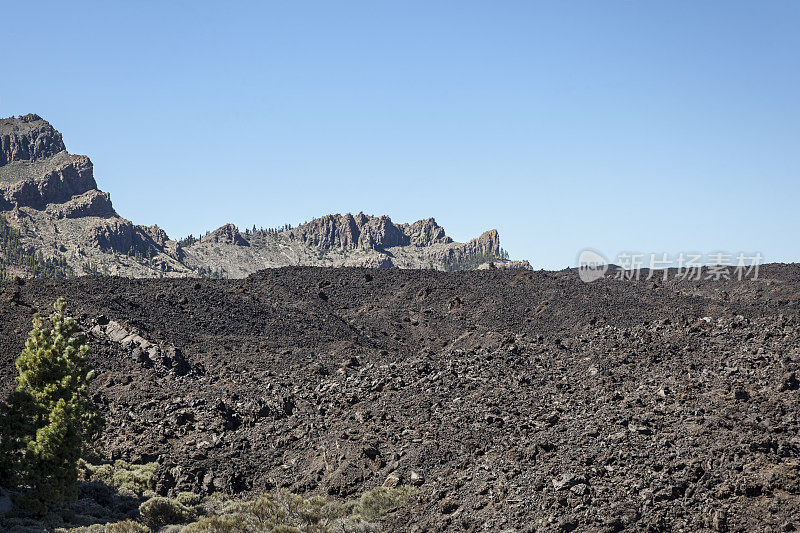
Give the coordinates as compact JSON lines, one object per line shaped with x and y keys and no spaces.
{"x":227,"y":234}
{"x":425,"y":232}
{"x":37,"y":171}
{"x":158,"y":235}
{"x":367,"y":232}
{"x":487,"y":243}
{"x":349,"y":232}
{"x":380,"y":232}
{"x":328,"y":232}
{"x":53,"y":180}
{"x":28,"y":138}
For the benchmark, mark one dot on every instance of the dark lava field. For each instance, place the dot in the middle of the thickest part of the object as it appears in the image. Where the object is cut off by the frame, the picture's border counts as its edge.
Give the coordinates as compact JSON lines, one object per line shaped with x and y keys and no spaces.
{"x":513,"y":400}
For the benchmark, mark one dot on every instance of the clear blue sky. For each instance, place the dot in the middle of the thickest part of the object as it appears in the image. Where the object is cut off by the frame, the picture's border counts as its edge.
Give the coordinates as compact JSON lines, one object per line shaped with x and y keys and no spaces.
{"x":618,"y":125}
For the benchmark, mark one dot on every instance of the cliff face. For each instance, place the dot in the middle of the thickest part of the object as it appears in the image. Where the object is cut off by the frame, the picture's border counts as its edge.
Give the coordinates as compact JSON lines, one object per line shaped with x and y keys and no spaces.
{"x":425,"y":232}
{"x":349,"y":232}
{"x":36,"y":170}
{"x":54,"y":180}
{"x":28,"y":138}
{"x":52,"y":195}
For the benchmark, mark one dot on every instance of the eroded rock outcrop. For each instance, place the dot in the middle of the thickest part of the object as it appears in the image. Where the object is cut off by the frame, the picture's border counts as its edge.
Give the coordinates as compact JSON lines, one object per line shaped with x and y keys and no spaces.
{"x":328,"y":232}
{"x":158,"y":235}
{"x":122,"y":236}
{"x":379,"y":233}
{"x":488,"y":243}
{"x":92,"y":203}
{"x":28,"y":138}
{"x":227,"y":234}
{"x":53,"y":180}
{"x":367,"y":232}
{"x":425,"y":232}
{"x":161,"y":356}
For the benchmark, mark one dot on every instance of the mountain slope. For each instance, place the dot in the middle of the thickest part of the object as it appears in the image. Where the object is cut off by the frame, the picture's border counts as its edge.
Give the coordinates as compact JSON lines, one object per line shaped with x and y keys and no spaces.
{"x":51,"y":199}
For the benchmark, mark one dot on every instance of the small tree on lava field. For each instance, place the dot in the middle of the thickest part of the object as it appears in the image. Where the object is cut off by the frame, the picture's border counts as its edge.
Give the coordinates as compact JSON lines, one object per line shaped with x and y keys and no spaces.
{"x":50,"y":417}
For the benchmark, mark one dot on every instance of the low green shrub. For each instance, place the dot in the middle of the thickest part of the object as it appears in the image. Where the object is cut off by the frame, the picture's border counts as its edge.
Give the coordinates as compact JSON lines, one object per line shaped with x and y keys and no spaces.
{"x":230,"y":523}
{"x":188,"y":498}
{"x":137,"y":478}
{"x":275,"y":512}
{"x":381,"y":500}
{"x":128,"y":526}
{"x":159,"y":511}
{"x":283,"y":511}
{"x":20,"y":525}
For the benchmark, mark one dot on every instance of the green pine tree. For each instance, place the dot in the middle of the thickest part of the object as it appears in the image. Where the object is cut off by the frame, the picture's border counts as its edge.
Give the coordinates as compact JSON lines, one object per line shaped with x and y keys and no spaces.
{"x":49,"y":418}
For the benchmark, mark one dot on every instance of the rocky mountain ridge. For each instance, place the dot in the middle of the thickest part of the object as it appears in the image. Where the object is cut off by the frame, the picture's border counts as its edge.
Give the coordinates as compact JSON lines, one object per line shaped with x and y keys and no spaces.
{"x":52,"y":198}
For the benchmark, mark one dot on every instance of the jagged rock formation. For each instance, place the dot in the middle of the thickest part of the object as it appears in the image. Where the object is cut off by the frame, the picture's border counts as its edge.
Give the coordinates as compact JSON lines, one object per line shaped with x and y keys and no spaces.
{"x":52,"y":197}
{"x":345,"y":240}
{"x":348,"y":232}
{"x":28,"y":138}
{"x":425,"y":233}
{"x":227,"y":234}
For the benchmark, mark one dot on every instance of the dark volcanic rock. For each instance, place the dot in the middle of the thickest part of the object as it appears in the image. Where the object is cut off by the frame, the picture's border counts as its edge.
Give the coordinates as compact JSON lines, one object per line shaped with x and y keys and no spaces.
{"x":513,"y":400}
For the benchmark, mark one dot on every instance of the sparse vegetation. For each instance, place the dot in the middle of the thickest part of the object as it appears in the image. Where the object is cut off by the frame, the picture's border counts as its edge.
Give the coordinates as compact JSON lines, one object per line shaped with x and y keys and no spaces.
{"x":136,"y":478}
{"x":188,"y":241}
{"x":188,"y":498}
{"x":14,"y":257}
{"x":468,"y":262}
{"x":118,"y":498}
{"x":280,"y":511}
{"x":210,"y":273}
